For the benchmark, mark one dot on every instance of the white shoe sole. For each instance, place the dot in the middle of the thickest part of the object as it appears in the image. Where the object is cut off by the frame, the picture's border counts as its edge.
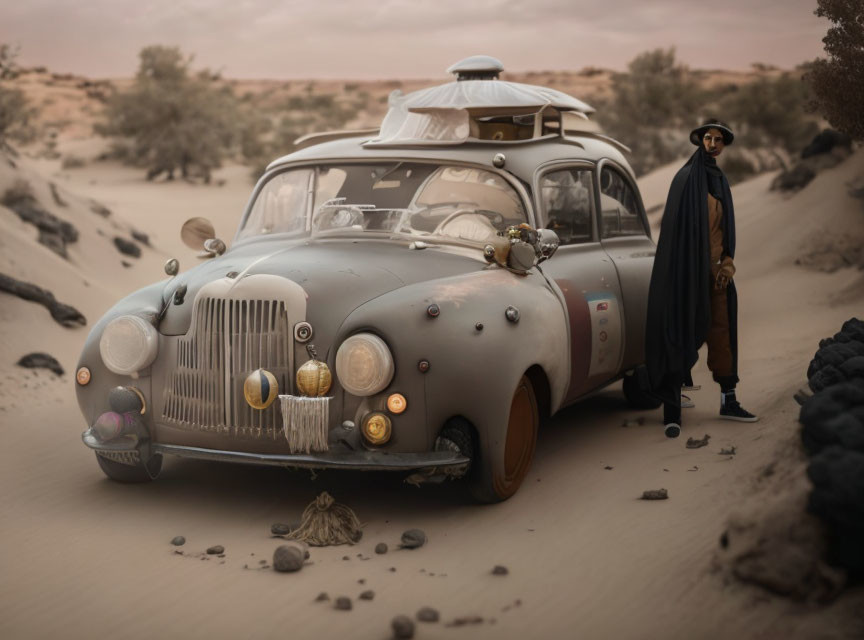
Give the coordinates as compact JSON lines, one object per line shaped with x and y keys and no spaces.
{"x":687,"y":402}
{"x":672,"y":430}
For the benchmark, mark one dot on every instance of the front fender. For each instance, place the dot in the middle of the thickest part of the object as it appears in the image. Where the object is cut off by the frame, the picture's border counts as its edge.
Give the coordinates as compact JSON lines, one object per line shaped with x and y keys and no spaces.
{"x":476,"y":355}
{"x":93,"y":398}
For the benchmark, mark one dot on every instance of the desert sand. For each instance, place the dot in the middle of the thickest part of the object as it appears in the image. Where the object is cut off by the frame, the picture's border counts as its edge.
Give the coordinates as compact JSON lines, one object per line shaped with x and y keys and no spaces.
{"x":83,"y":557}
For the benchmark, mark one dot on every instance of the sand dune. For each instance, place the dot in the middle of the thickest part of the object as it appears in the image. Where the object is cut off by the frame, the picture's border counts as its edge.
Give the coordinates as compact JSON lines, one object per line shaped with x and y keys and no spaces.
{"x":83,"y":556}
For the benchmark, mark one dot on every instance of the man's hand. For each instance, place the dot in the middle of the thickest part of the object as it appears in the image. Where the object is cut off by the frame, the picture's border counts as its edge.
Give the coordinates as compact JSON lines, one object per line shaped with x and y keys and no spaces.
{"x":724,"y":274}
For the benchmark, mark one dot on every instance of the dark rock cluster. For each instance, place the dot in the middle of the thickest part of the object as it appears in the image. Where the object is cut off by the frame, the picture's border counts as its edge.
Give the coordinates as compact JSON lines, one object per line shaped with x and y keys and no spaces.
{"x":827,"y":149}
{"x":63,"y":313}
{"x":127,"y":247}
{"x":41,"y":361}
{"x":833,"y":433}
{"x":54,"y":233}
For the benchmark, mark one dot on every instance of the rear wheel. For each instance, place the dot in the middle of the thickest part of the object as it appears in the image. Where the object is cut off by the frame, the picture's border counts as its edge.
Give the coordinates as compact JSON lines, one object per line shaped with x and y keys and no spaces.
{"x":497,"y":477}
{"x":129,"y":474}
{"x":637,"y":397}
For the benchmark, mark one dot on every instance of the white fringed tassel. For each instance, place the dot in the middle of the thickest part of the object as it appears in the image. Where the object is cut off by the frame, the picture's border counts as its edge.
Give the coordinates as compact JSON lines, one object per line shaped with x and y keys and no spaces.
{"x":305,"y":422}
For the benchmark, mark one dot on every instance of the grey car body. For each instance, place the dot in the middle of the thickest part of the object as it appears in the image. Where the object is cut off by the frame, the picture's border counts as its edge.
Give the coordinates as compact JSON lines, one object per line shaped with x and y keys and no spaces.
{"x":478,"y":348}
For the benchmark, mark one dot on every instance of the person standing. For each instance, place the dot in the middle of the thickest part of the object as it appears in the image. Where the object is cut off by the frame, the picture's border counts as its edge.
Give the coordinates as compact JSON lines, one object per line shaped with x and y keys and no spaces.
{"x":692,"y":298}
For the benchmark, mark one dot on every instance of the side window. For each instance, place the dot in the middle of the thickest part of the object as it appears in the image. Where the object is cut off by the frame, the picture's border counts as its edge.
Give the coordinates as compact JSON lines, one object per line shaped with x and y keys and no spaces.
{"x":619,"y":215}
{"x":568,"y":204}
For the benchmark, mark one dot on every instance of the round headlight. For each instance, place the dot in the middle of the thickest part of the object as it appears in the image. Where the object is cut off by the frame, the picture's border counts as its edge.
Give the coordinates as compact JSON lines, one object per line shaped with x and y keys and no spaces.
{"x":364,"y":365}
{"x":128,"y":344}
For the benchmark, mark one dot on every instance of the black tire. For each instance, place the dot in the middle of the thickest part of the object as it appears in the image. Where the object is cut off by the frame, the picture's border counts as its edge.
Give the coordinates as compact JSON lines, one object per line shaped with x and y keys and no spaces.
{"x":128,"y":474}
{"x":496,"y":479}
{"x":638,"y":398}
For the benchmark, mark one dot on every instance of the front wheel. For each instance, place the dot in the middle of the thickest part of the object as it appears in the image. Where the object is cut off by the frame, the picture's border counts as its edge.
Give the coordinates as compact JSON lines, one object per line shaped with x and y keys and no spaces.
{"x":129,"y":474}
{"x":496,"y":477}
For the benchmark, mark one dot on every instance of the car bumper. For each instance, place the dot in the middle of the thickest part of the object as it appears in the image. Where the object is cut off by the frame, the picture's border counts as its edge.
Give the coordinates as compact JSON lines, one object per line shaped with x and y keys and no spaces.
{"x":335,"y":459}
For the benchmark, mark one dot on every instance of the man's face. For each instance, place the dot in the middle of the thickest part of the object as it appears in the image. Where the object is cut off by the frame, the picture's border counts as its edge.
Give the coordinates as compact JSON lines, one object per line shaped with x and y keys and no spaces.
{"x":713,"y":142}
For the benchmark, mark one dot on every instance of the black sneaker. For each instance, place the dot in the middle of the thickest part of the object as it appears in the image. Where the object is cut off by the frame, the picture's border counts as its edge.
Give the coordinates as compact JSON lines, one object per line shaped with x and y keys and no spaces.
{"x":673,"y":430}
{"x":732,"y":410}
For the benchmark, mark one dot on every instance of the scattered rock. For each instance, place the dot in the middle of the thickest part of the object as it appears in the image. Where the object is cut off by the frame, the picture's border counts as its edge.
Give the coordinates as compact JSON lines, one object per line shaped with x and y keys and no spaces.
{"x":100,"y":209}
{"x":215,"y":550}
{"x":322,"y":597}
{"x":361,"y":581}
{"x":54,"y":233}
{"x":62,"y":313}
{"x":392,"y":569}
{"x":464,"y":620}
{"x":403,"y":627}
{"x":127,"y":247}
{"x":428,"y":614}
{"x":290,"y":556}
{"x":280,"y":529}
{"x":41,"y":361}
{"x":141,"y":237}
{"x":608,"y":468}
{"x":126,"y":264}
{"x":367,"y":595}
{"x":655,"y":494}
{"x":500,"y":570}
{"x":693,"y":443}
{"x":381,"y":548}
{"x":727,"y":452}
{"x":178,"y":541}
{"x":342,"y":603}
{"x":55,"y":193}
{"x":413,"y":539}
{"x":345,"y":558}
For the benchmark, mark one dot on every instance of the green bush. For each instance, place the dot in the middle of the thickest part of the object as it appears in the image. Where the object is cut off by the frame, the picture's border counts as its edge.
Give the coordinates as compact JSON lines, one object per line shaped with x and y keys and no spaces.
{"x":16,"y":112}
{"x":174,"y":119}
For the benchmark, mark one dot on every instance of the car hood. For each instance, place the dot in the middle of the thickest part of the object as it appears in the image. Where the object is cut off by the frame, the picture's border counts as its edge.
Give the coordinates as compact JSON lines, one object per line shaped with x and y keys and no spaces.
{"x":337,"y":275}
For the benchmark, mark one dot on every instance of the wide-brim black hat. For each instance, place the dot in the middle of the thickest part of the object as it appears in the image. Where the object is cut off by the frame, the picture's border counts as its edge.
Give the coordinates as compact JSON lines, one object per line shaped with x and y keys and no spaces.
{"x":699,"y":132}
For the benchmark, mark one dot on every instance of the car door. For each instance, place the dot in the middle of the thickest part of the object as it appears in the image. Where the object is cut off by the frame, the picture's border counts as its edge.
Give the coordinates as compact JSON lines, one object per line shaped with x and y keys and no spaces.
{"x":583,"y":272}
{"x":625,"y":236}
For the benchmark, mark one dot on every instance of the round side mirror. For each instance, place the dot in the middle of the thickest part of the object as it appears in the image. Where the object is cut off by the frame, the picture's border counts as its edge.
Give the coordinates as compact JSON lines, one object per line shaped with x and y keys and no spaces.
{"x":172,"y":267}
{"x":196,"y":231}
{"x":547,"y":244}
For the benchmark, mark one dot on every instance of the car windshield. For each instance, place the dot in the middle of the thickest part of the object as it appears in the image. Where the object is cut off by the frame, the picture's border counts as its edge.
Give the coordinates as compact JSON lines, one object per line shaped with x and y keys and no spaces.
{"x":423,"y":200}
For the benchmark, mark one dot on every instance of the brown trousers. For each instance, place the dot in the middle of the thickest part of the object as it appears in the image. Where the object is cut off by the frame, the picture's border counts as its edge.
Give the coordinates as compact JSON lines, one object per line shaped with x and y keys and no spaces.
{"x":719,"y":346}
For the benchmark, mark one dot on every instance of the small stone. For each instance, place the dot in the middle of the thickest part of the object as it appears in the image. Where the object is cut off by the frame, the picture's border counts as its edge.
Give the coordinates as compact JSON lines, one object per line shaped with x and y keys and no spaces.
{"x":428,"y":614}
{"x":322,"y":597}
{"x":367,"y":595}
{"x":381,"y":548}
{"x":216,"y":550}
{"x":413,"y":539}
{"x":178,"y":541}
{"x":727,"y":452}
{"x":262,"y":562}
{"x":693,"y":443}
{"x":280,"y":529}
{"x":403,"y":627}
{"x":289,"y":557}
{"x":361,"y":581}
{"x":392,"y":569}
{"x":608,"y":468}
{"x":342,"y":603}
{"x":345,"y":558}
{"x":500,"y":570}
{"x":655,"y":494}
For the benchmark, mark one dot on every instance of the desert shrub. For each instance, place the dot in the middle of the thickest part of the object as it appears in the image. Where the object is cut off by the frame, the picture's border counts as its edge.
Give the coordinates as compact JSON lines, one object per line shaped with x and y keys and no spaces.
{"x":737,"y":166}
{"x":771,"y":112}
{"x":838,"y":81}
{"x":72,"y":161}
{"x":173,"y":118}
{"x":652,"y":108}
{"x":16,"y":112}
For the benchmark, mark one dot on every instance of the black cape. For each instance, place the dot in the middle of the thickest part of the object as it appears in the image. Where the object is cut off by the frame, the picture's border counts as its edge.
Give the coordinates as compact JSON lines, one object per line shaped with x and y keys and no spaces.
{"x":679,"y":309}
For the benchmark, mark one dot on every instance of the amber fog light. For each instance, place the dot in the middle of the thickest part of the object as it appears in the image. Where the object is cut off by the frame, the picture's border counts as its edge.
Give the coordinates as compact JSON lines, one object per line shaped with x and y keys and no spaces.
{"x":83,"y":376}
{"x":397,"y":403}
{"x":377,"y":428}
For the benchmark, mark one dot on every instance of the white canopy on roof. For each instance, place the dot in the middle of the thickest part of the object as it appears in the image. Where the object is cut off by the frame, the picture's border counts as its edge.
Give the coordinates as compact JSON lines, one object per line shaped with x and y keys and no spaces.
{"x":492,"y":94}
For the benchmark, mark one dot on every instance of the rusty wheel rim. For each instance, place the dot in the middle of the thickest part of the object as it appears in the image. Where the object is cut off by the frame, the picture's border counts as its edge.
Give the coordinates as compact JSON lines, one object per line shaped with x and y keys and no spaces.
{"x":521,"y":437}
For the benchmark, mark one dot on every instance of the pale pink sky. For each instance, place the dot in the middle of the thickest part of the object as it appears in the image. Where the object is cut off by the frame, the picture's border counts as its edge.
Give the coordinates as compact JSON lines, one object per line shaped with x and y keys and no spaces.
{"x":286,"y":39}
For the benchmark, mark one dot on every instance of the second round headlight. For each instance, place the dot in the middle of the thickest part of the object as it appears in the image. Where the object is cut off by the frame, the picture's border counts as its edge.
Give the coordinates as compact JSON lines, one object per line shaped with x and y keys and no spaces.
{"x":128,"y":344}
{"x":364,"y":364}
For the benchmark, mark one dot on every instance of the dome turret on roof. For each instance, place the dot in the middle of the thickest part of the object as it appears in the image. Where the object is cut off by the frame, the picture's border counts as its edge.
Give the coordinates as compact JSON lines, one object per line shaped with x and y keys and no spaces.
{"x":477,"y":68}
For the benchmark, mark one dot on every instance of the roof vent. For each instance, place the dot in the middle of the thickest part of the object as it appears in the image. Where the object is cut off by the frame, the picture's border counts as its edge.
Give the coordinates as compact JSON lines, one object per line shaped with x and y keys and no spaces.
{"x":477,"y":68}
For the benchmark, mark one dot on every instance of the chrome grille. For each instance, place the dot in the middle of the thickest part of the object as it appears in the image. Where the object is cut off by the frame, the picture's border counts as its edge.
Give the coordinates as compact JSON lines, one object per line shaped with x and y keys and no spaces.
{"x":228,"y":339}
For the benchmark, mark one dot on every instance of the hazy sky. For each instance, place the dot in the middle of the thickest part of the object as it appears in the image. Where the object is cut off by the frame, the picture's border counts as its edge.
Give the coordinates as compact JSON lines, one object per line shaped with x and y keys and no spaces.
{"x":406,"y":38}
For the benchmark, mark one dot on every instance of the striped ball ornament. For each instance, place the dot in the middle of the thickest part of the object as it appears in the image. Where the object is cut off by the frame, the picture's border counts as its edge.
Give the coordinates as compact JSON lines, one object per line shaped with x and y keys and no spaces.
{"x":260,"y":389}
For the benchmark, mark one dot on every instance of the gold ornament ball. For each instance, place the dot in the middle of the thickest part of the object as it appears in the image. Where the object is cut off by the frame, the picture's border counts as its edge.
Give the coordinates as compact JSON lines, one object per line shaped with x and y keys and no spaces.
{"x":314,"y":378}
{"x":260,"y":389}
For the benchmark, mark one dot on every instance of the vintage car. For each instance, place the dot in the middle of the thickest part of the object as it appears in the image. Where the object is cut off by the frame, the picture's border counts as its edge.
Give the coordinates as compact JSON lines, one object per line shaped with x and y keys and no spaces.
{"x":391,"y":300}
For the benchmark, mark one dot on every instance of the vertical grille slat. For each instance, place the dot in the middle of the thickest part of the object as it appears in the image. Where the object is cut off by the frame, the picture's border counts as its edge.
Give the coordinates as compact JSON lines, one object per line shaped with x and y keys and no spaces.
{"x":228,"y":339}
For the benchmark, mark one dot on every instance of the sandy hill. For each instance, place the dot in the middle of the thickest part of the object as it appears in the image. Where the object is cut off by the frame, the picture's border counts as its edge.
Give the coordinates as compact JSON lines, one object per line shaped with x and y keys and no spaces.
{"x":83,"y":555}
